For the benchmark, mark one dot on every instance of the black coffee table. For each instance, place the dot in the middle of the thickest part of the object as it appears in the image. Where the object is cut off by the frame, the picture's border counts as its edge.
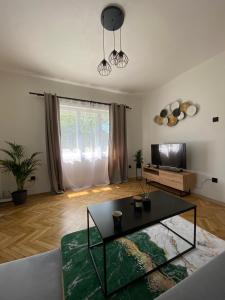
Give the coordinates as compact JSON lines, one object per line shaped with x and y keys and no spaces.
{"x":163,"y":206}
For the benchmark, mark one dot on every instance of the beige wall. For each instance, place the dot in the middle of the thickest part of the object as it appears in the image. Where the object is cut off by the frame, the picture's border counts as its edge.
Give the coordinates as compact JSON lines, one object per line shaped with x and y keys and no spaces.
{"x":204,"y":85}
{"x":22,"y":119}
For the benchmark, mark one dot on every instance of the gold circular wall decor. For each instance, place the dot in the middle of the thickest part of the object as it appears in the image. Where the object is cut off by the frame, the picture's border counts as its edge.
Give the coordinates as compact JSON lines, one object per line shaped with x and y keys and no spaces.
{"x":177,"y":111}
{"x":184,"y":106}
{"x":172,"y":121}
{"x":158,"y":120}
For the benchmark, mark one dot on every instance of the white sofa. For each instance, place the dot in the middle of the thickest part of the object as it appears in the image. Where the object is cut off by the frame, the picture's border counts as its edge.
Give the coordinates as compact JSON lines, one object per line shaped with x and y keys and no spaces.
{"x":36,"y":277}
{"x":39,"y":278}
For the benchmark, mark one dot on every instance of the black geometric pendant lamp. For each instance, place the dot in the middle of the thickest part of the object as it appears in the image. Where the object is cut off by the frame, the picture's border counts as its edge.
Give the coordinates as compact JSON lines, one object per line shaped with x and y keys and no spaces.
{"x":112,"y":18}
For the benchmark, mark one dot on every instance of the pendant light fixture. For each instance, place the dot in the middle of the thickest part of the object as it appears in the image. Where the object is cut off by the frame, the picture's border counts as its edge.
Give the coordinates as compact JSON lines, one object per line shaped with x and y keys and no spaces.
{"x":112,"y":19}
{"x":122,"y":58}
{"x":113,"y":54}
{"x":104,"y":68}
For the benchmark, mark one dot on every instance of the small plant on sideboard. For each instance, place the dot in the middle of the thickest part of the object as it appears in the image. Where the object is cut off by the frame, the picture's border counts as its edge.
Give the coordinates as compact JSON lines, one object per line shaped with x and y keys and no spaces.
{"x":138,"y":158}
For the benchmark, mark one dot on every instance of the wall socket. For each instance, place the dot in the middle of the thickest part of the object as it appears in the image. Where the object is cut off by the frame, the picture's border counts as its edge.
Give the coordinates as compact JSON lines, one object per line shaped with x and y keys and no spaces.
{"x":215,"y":180}
{"x":215,"y":119}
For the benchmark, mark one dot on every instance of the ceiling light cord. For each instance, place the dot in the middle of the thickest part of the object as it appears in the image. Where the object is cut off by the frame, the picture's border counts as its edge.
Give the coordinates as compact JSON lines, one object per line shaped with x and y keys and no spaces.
{"x":113,"y":54}
{"x":114,"y":41}
{"x":120,"y":41}
{"x":103,"y":40}
{"x":122,"y":58}
{"x":104,"y":68}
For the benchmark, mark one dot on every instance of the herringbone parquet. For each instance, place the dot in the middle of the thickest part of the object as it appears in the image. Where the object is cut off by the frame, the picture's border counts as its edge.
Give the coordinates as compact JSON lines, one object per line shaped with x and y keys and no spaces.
{"x":39,"y":225}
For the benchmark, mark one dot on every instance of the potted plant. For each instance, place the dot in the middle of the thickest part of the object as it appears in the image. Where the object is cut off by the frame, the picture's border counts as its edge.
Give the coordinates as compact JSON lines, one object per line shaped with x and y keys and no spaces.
{"x":20,"y":166}
{"x":138,"y":158}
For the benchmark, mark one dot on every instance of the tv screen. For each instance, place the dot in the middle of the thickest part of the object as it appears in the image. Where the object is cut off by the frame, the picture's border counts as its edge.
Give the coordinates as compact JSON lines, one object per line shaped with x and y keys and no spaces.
{"x":169,"y":155}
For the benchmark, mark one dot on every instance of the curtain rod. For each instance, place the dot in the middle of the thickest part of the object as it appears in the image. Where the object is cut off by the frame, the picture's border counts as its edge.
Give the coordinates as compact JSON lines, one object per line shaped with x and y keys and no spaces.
{"x":76,"y":99}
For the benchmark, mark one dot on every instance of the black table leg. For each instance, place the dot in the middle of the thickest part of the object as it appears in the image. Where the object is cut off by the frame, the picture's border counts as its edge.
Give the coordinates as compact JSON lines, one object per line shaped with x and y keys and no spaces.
{"x":88,"y":228}
{"x":193,"y":244}
{"x":103,"y":282}
{"x":105,"y":266}
{"x":195,"y":221}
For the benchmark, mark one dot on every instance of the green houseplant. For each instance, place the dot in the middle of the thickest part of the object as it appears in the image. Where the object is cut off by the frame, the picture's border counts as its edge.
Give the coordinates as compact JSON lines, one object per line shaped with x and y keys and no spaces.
{"x":138,"y":158}
{"x":21,"y":168}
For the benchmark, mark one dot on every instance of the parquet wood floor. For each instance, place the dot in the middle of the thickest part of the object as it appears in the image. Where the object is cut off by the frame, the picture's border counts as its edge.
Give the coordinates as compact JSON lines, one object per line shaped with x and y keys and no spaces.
{"x":39,"y":225}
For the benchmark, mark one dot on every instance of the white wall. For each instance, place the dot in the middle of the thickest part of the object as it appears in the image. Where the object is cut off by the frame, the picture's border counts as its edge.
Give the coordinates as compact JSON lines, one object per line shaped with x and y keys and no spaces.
{"x":22,"y":118}
{"x":204,"y":85}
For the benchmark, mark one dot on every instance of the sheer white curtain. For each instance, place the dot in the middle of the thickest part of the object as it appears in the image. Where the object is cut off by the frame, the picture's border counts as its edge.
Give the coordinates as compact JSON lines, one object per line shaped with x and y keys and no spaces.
{"x":84,"y":143}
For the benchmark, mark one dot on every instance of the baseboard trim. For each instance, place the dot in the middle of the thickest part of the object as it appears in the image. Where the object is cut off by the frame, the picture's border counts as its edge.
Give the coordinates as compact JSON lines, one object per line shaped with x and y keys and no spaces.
{"x":208,"y":199}
{"x":5,"y":200}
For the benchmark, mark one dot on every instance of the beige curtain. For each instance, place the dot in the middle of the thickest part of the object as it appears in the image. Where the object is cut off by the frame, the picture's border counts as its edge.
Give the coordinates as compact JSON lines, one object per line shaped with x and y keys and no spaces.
{"x":52,"y":124}
{"x":118,"y":161}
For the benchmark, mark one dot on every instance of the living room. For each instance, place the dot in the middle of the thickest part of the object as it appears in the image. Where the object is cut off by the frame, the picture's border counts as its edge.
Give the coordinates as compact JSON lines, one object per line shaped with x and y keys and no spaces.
{"x":85,"y":112}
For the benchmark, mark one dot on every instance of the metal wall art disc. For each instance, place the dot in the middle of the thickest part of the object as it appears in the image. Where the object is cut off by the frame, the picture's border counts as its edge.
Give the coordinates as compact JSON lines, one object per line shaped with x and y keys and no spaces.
{"x":181,"y":116}
{"x":168,"y":109}
{"x":163,"y":113}
{"x":172,"y":121}
{"x":184,"y":106}
{"x":191,"y":110}
{"x":158,"y":120}
{"x":175,"y":112}
{"x":165,"y":121}
{"x":174,"y":105}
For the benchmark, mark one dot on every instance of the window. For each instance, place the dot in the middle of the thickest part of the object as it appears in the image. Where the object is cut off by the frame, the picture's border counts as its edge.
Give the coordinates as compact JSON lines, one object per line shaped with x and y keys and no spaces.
{"x":84,"y":140}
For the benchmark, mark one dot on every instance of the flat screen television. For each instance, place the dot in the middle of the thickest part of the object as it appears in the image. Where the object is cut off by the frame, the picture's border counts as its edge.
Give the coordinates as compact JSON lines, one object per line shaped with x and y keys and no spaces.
{"x":169,"y":155}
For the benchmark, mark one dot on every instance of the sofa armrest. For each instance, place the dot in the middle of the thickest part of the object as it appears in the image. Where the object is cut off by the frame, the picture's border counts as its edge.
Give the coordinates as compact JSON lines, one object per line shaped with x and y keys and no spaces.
{"x":36,"y":277}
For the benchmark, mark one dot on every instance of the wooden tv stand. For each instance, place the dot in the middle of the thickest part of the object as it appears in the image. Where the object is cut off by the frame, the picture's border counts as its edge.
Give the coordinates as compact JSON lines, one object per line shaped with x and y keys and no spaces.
{"x":178,"y":182}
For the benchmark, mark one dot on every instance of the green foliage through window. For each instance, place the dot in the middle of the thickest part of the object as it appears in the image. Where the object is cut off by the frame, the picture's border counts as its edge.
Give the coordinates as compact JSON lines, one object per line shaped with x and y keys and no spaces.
{"x":84,"y":129}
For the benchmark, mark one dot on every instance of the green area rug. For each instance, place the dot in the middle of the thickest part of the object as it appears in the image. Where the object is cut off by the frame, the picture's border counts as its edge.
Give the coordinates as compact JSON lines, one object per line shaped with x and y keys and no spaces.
{"x":127,"y":258}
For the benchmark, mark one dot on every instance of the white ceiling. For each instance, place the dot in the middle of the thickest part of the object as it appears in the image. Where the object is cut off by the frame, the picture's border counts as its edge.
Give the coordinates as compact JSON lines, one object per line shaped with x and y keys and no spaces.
{"x":63,"y":39}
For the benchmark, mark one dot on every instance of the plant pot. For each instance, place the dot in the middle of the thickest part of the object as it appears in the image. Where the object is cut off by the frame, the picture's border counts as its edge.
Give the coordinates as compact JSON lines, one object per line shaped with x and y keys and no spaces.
{"x":19,"y":197}
{"x":138,"y":165}
{"x":138,"y":172}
